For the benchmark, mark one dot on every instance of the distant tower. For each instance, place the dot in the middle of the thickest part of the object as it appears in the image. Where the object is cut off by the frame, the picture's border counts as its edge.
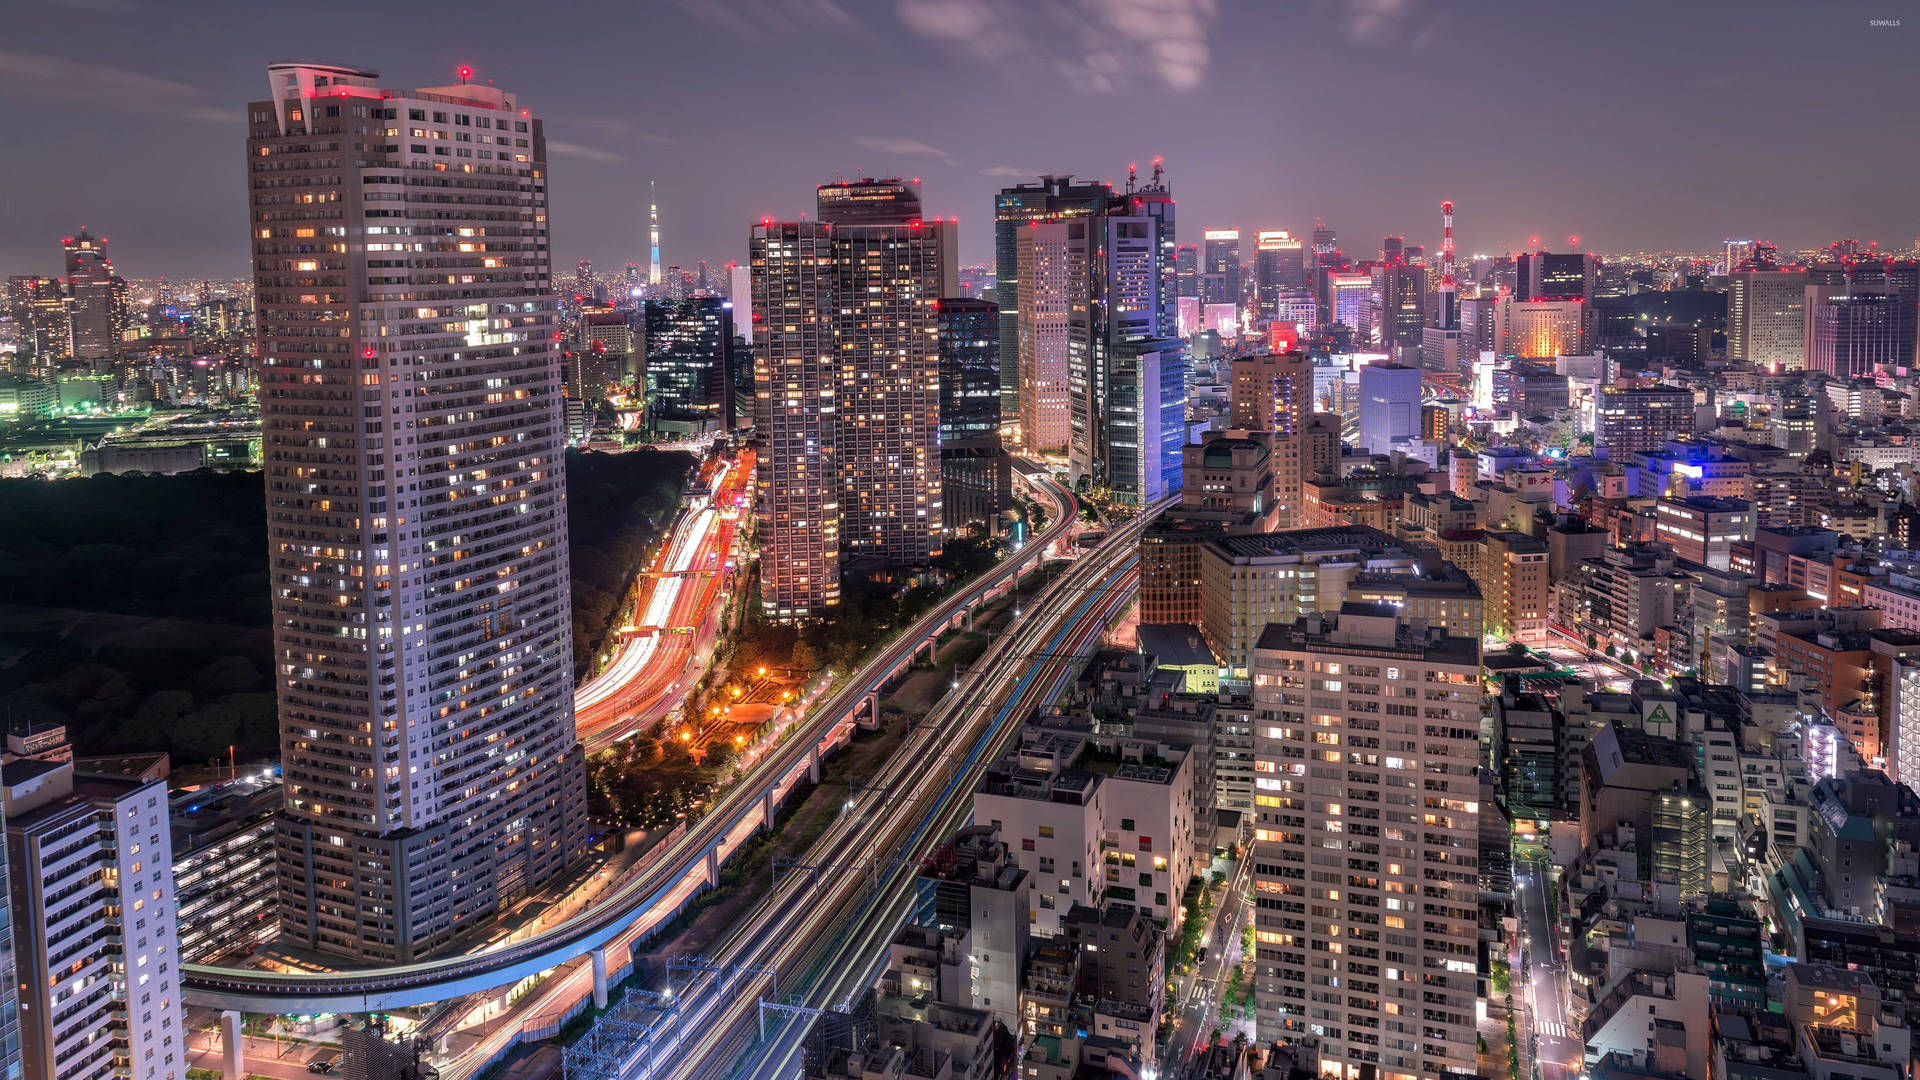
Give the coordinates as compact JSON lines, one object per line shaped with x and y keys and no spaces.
{"x":653,"y":237}
{"x":90,"y":285}
{"x":1449,"y":286}
{"x":1442,"y":345}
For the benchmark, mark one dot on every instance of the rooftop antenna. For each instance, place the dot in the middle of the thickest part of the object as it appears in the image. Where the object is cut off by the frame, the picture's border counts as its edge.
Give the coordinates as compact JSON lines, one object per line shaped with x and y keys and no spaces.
{"x":1133,"y":170}
{"x":1158,"y":161}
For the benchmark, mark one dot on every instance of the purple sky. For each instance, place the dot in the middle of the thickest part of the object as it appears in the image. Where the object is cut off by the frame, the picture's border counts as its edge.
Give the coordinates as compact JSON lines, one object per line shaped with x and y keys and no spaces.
{"x":1635,"y":125}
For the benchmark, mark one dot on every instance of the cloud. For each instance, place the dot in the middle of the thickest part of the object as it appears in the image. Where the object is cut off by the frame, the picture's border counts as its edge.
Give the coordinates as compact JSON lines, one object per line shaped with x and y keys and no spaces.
{"x":1009,"y":172}
{"x":774,"y":19}
{"x":613,"y":126}
{"x":1373,"y":20}
{"x":902,"y":147}
{"x":99,"y":84}
{"x":1095,"y":45}
{"x":581,"y":150}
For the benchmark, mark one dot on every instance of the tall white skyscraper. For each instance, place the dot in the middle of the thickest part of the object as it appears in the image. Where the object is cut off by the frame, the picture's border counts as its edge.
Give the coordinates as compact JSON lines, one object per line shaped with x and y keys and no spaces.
{"x":1767,"y":316}
{"x":1366,"y":844}
{"x":410,"y":393}
{"x":95,"y":942}
{"x":1047,"y":280}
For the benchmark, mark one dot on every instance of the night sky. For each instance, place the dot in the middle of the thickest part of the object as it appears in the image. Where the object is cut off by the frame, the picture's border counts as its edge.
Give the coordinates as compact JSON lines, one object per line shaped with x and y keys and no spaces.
{"x":1635,"y":125}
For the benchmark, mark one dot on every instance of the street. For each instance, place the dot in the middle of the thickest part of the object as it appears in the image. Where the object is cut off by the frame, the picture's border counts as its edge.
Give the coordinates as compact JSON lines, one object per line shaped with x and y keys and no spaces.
{"x":1199,"y":991}
{"x":1540,"y":981}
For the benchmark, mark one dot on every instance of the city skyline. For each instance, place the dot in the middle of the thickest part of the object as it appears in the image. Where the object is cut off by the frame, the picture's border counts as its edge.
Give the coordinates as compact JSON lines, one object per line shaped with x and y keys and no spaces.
{"x":1198,"y":75}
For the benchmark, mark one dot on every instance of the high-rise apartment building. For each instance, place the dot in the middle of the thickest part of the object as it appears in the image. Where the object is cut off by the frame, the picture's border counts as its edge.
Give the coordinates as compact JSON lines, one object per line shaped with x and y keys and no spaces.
{"x":1767,"y":316}
{"x":1366,"y":840}
{"x":976,"y":473}
{"x":95,"y":947}
{"x":848,"y":389}
{"x":795,"y":383}
{"x":1274,"y":393}
{"x":1047,"y":284}
{"x":90,"y":299}
{"x":411,"y":405}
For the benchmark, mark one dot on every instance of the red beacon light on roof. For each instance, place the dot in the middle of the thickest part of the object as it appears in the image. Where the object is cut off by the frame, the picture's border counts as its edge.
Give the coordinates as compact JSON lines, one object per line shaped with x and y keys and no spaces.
{"x":465,"y":73}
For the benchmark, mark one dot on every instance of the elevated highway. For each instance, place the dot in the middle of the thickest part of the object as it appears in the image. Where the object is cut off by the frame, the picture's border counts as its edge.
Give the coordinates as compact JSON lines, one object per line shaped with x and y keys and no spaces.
{"x":683,"y":865}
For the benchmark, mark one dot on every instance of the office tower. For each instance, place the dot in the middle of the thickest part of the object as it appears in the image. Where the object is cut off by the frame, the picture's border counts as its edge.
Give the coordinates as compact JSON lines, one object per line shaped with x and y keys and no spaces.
{"x":689,"y":366}
{"x":848,"y":393}
{"x":90,"y":300}
{"x":1054,"y":198}
{"x":1851,"y":331}
{"x":1628,"y":419}
{"x":1273,"y":393}
{"x":1350,"y":303}
{"x":796,"y":378}
{"x":1402,"y":288}
{"x":1541,"y":329}
{"x":1702,"y":529}
{"x":1279,"y":266}
{"x":1325,"y":243}
{"x":1220,"y":272}
{"x":1543,"y":275}
{"x":1389,"y":406}
{"x":1127,"y":378}
{"x":415,"y":510}
{"x":976,"y":473}
{"x":1186,"y":271}
{"x":1739,"y":251}
{"x":1046,"y":286}
{"x":90,"y":880}
{"x":1766,"y":314}
{"x":1368,"y":821}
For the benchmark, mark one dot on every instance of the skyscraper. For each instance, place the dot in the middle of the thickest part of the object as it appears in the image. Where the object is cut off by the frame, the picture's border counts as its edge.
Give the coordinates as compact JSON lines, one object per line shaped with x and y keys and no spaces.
{"x":1852,"y":330}
{"x":795,"y":381}
{"x":1220,"y":271}
{"x":415,"y":481}
{"x":1127,"y":380}
{"x":1766,"y":312}
{"x":689,"y":366}
{"x":1055,"y":197}
{"x":90,"y":300}
{"x":1186,"y":271}
{"x":1279,"y":266}
{"x":976,"y":473}
{"x":1544,"y":275}
{"x":1047,"y":280}
{"x":891,"y":267}
{"x":848,"y":389}
{"x":1368,"y":821}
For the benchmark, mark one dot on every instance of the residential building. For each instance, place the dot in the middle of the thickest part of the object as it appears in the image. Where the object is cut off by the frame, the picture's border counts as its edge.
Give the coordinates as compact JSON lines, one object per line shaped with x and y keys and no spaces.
{"x":1273,"y":393}
{"x":431,"y":769}
{"x":1339,"y":775}
{"x":1046,"y":288}
{"x":1629,"y":419}
{"x":1514,"y":587}
{"x":96,"y":949}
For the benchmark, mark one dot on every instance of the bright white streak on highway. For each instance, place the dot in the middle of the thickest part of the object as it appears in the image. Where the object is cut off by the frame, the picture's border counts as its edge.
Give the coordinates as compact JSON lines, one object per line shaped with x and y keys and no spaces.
{"x":634,"y":656}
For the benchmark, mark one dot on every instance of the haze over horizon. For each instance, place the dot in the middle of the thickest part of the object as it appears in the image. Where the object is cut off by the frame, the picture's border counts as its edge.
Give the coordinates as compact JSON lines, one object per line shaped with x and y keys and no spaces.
{"x":1717,"y":119}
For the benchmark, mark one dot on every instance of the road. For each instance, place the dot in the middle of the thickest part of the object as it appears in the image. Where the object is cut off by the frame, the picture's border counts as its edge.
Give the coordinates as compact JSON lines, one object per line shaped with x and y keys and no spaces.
{"x":279,"y":1059}
{"x":1199,"y":991}
{"x":1541,"y":979}
{"x":678,"y":615}
{"x":818,"y":938}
